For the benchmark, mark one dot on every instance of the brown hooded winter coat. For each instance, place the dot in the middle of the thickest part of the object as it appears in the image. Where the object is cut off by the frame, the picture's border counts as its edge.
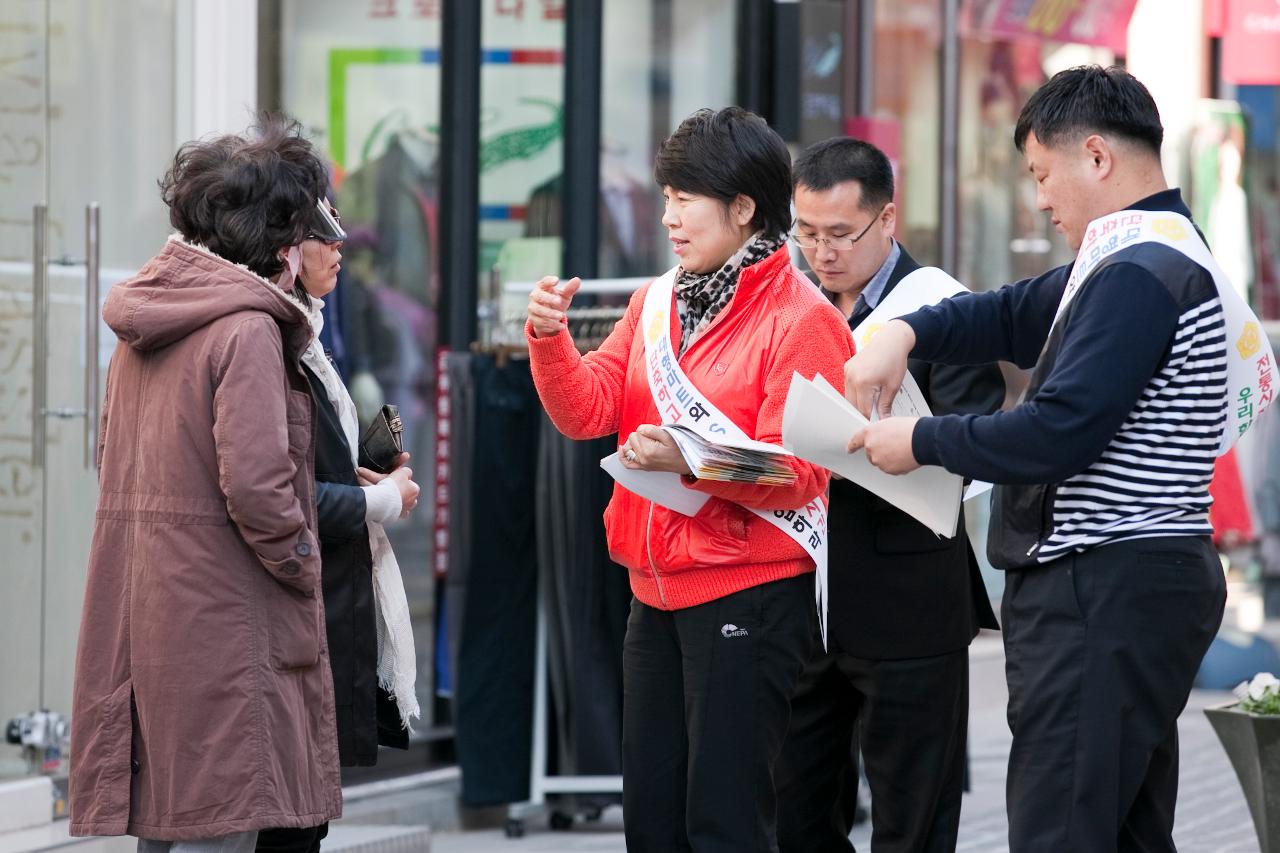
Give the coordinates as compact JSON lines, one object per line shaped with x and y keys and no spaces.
{"x":203,"y":700}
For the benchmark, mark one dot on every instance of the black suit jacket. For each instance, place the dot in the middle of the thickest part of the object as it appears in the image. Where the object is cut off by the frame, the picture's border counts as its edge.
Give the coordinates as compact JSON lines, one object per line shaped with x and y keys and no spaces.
{"x":896,"y":590}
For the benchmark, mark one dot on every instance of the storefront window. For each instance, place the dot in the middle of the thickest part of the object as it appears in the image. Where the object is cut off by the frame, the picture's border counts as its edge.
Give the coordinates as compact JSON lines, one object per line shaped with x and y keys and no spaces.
{"x":662,"y":60}
{"x":824,"y":69}
{"x":364,"y":79}
{"x":1215,"y":188}
{"x":908,"y":113}
{"x":521,"y":135}
{"x":1003,"y":236}
{"x":1261,"y":105}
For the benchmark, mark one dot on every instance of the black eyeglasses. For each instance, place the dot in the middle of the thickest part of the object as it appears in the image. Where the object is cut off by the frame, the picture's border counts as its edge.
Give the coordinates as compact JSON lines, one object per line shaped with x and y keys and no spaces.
{"x":840,"y":244}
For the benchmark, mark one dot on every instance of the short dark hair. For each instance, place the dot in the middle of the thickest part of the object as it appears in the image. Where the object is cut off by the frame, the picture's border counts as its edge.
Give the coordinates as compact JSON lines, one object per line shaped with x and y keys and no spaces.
{"x":244,"y":197}
{"x":843,"y":158}
{"x":1091,"y":99}
{"x":725,"y":153}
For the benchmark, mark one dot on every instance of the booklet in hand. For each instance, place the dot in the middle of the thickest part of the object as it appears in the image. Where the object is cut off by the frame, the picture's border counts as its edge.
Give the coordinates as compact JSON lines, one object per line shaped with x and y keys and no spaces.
{"x":733,"y":460}
{"x":726,"y":459}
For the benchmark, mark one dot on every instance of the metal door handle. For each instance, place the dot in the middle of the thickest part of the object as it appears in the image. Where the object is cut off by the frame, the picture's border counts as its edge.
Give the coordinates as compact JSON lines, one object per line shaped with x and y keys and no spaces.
{"x":92,"y":266}
{"x":39,"y":328}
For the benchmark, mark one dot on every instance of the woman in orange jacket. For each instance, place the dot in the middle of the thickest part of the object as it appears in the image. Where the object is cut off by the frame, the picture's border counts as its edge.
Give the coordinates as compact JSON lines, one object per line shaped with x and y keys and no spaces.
{"x":723,"y":615}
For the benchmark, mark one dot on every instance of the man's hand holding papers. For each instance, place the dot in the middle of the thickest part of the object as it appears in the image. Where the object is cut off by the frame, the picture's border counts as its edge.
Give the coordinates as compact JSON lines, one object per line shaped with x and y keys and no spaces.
{"x":874,"y":375}
{"x":873,"y":379}
{"x":887,"y":443}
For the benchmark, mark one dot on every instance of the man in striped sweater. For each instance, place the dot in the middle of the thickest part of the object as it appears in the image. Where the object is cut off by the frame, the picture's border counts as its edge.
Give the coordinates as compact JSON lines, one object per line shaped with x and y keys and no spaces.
{"x":1114,"y":590}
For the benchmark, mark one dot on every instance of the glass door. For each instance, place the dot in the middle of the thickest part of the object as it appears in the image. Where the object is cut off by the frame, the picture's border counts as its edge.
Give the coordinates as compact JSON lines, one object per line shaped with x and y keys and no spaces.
{"x":23,"y":153}
{"x":88,"y":108}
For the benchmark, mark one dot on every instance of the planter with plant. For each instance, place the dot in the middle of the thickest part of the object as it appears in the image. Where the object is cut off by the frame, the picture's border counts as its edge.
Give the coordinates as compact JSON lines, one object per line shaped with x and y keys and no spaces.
{"x":1249,"y":729}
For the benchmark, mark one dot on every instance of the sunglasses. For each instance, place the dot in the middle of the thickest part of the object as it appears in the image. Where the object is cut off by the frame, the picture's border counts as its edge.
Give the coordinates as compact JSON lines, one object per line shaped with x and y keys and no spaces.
{"x":326,"y":225}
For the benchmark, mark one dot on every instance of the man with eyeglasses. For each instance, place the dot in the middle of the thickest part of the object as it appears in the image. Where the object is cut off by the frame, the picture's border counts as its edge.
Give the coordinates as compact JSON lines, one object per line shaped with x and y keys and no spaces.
{"x":904,"y":604}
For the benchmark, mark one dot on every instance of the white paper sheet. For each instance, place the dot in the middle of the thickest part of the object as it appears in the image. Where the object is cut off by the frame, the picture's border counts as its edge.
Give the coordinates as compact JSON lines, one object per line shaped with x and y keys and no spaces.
{"x":817,"y":424}
{"x":908,"y":403}
{"x":976,"y":488}
{"x":661,"y":487}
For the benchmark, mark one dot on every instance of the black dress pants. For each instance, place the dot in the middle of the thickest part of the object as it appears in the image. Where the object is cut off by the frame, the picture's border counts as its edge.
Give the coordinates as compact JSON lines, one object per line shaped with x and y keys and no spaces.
{"x":912,"y":716}
{"x":706,"y":696}
{"x":1101,"y":650}
{"x":292,"y":840}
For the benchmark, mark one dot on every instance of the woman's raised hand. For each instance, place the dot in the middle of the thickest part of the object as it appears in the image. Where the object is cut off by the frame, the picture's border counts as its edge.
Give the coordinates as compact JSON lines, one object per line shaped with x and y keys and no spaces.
{"x":549,"y":305}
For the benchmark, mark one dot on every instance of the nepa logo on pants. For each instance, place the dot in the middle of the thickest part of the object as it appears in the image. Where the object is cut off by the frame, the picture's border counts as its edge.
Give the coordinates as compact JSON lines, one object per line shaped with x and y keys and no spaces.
{"x":731,"y":630}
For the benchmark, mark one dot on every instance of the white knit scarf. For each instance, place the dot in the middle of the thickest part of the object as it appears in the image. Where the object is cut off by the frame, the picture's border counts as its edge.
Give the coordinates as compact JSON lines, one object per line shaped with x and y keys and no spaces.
{"x":397,"y":661}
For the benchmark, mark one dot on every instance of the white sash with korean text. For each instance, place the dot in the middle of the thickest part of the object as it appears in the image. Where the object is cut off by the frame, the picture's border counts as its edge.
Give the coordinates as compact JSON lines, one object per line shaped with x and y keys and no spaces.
{"x":679,"y":401}
{"x":1251,"y":370}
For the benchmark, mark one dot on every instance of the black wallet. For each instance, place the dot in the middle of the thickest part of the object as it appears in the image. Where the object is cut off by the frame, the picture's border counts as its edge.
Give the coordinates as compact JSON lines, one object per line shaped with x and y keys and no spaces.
{"x":382,"y":442}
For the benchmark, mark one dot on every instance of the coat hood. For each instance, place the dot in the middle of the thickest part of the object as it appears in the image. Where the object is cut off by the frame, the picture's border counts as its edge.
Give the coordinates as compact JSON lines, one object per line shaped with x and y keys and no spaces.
{"x":185,"y":288}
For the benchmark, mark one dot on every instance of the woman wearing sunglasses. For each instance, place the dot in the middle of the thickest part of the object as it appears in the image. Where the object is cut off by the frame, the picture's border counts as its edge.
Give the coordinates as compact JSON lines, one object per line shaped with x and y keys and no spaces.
{"x":366,"y":613}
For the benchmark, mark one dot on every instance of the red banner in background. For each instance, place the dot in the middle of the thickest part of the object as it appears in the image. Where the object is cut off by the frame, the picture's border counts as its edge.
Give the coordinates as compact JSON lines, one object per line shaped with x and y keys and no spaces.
{"x":1215,"y":17}
{"x":1251,"y":42}
{"x":1103,"y":23}
{"x":884,"y":133}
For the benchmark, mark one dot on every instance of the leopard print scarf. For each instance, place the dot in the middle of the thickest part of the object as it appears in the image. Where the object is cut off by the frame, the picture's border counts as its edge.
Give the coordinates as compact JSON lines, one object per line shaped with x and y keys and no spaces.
{"x":700,"y":297}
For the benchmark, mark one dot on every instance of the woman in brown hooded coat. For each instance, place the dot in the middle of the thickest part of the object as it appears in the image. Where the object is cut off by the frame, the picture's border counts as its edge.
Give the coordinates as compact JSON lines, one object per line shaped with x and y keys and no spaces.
{"x":203,"y":705}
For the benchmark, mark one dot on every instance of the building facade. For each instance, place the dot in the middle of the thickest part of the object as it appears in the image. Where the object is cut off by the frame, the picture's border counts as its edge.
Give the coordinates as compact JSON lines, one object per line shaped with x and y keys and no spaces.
{"x":477,"y":145}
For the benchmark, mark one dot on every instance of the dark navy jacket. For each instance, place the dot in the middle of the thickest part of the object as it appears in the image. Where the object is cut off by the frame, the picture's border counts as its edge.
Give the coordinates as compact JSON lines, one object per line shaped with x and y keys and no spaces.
{"x":1090,"y":382}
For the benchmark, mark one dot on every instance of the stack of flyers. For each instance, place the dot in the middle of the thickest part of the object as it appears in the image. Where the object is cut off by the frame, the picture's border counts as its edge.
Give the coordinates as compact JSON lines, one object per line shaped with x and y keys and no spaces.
{"x":733,"y":460}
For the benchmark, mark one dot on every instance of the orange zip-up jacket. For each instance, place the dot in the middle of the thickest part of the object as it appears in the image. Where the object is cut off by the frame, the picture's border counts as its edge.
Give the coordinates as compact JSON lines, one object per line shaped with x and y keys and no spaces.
{"x":777,"y":324}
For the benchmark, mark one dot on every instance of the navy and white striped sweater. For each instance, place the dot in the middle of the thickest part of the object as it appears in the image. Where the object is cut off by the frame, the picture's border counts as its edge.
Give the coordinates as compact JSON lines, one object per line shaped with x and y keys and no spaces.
{"x":1118,"y":433}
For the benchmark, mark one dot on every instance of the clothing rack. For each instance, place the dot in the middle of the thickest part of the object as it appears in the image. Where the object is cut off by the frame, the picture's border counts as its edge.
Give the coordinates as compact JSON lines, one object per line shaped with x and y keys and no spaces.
{"x":598,"y":286}
{"x":542,"y":783}
{"x":503,"y":320}
{"x":589,"y":326}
